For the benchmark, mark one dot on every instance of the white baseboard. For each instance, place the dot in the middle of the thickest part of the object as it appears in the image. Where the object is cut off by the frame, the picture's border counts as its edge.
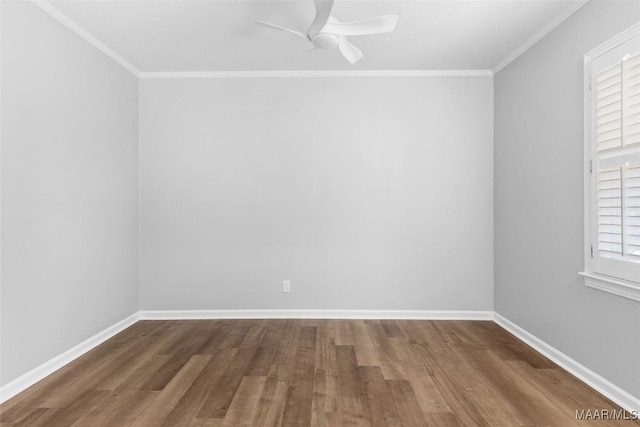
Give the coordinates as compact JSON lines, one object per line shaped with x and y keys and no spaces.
{"x":316,"y":314}
{"x":49,"y":367}
{"x":600,"y":384}
{"x":584,"y":374}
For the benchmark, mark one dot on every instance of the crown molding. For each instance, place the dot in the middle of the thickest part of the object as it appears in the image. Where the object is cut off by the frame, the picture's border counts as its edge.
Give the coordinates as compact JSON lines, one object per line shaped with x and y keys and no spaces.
{"x":313,"y":73}
{"x":89,"y":38}
{"x":539,"y":35}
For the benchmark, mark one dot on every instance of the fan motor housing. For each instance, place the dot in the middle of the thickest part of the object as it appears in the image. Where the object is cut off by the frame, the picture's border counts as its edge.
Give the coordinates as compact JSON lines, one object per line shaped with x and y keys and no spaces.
{"x":325,"y":41}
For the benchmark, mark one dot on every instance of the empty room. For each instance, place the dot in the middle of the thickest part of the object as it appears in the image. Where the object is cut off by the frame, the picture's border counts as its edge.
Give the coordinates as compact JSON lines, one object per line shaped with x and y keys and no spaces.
{"x":319,"y":213}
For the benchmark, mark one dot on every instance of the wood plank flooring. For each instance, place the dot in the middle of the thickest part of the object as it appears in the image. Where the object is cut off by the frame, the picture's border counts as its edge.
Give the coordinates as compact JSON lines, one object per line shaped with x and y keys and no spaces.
{"x":308,"y":373}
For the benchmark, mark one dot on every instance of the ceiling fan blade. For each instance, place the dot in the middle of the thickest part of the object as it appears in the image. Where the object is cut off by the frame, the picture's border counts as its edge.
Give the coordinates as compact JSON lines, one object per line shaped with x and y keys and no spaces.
{"x":377,"y":25}
{"x":277,"y":27}
{"x":323,"y":11}
{"x":349,"y":51}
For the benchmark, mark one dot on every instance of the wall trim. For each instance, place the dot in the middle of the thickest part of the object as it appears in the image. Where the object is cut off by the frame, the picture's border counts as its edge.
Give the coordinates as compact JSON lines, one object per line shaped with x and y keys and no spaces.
{"x":91,"y":39}
{"x":584,"y":374}
{"x":88,"y":37}
{"x":539,"y":35}
{"x":316,"y":314}
{"x":622,"y":288}
{"x":613,"y":42}
{"x":31,"y":377}
{"x":312,"y":73}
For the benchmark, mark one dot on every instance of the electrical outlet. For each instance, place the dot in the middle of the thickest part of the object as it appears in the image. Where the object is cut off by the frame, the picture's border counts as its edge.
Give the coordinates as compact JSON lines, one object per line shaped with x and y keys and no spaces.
{"x":286,"y":286}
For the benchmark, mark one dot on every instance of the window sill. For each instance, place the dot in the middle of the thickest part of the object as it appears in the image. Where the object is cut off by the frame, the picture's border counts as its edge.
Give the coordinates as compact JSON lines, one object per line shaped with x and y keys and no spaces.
{"x":618,"y":287}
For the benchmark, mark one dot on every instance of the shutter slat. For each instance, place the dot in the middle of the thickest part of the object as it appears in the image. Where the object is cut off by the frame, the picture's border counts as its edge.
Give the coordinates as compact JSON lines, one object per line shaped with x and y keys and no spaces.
{"x":608,"y":121}
{"x":609,"y":72}
{"x":613,"y":81}
{"x":614,"y":114}
{"x":631,"y":192}
{"x":610,"y":145}
{"x":633,"y":60}
{"x":618,"y":127}
{"x":610,"y":95}
{"x":613,"y":228}
{"x":632,"y":128}
{"x":610,"y":98}
{"x":608,"y":107}
{"x":633,"y":250}
{"x":610,"y":247}
{"x":632,"y":90}
{"x":612,"y":126}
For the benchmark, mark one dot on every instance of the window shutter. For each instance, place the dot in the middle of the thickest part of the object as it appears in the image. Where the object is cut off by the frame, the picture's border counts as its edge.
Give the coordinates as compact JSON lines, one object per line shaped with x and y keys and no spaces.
{"x":631,"y":99}
{"x":618,"y":155}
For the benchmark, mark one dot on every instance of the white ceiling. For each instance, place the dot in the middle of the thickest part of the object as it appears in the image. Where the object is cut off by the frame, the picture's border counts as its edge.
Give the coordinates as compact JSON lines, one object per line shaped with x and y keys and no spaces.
{"x":214,"y":35}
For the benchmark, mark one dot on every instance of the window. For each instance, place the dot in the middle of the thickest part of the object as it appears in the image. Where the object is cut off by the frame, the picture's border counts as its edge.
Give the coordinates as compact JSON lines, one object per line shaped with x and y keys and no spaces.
{"x":612,"y":154}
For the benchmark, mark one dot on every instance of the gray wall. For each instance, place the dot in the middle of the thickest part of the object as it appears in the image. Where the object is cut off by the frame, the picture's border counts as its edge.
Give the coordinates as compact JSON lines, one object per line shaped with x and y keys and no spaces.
{"x":539,"y":201}
{"x":369,"y":193}
{"x":366,"y":193}
{"x":69,"y":190}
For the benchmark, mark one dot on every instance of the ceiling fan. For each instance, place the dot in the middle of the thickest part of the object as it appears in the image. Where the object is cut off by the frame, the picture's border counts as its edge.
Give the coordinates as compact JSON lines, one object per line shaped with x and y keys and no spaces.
{"x":326,"y":32}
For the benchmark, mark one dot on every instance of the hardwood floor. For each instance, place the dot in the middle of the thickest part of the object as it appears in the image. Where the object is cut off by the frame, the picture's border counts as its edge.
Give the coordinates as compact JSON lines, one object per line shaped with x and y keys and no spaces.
{"x":308,"y":373}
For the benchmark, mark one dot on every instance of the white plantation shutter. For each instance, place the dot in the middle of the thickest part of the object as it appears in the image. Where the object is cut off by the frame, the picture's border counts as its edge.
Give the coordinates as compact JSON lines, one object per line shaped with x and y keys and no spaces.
{"x":619,"y":213}
{"x":616,"y":95}
{"x":631,"y":100}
